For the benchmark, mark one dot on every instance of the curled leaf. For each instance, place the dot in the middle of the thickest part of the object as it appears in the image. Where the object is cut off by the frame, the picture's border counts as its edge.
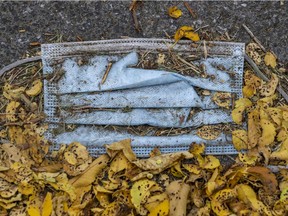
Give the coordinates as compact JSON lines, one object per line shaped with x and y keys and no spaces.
{"x":269,"y":88}
{"x":282,"y":152}
{"x":35,"y":89}
{"x":218,"y":204}
{"x":186,"y":32}
{"x":174,"y":12}
{"x":240,"y":139}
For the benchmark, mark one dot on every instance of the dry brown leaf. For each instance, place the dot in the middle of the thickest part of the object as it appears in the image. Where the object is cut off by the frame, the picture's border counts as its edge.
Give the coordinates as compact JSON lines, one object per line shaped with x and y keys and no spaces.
{"x":240,"y":139}
{"x":178,"y":192}
{"x":270,"y":59}
{"x":209,"y":132}
{"x":174,"y":12}
{"x":222,"y":99}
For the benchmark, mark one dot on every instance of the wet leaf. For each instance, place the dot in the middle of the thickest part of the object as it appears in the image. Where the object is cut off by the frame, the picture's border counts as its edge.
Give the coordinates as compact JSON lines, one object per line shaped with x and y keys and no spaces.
{"x":186,"y":32}
{"x":240,"y":139}
{"x":270,"y":59}
{"x":174,"y":12}
{"x":240,"y":106}
{"x":35,"y":89}
{"x":222,"y":99}
{"x":209,"y":132}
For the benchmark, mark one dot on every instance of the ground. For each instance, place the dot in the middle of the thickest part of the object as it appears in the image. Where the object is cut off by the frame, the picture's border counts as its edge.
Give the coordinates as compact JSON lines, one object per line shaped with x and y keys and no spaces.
{"x":110,"y":19}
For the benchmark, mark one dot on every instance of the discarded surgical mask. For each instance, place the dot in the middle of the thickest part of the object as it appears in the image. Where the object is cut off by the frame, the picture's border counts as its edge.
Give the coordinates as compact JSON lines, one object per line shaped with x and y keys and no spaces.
{"x":105,"y":91}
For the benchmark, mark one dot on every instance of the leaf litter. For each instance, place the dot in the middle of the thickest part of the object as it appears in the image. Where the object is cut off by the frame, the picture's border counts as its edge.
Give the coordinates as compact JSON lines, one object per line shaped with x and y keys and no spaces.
{"x":70,"y":182}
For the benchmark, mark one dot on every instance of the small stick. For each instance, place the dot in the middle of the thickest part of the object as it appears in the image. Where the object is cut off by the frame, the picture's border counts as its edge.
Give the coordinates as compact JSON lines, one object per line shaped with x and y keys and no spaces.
{"x":253,"y":37}
{"x":106,"y":73}
{"x":263,"y":76}
{"x":193,"y":14}
{"x":193,"y":67}
{"x":133,"y":8}
{"x":205,"y":50}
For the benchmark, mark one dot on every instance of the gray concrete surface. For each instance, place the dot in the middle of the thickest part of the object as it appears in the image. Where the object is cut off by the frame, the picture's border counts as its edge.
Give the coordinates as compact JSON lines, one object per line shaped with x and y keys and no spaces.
{"x":110,"y":19}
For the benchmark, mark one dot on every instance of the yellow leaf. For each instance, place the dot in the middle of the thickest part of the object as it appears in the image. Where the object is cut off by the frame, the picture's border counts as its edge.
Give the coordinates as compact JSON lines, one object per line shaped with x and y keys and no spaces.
{"x":269,"y":88}
{"x":268,"y":133}
{"x":159,"y":163}
{"x":240,"y":106}
{"x":186,"y":32}
{"x":35,"y":89}
{"x":252,"y":83}
{"x":222,"y":99}
{"x":192,"y":168}
{"x":123,"y":145}
{"x":248,"y":158}
{"x":282,"y":152}
{"x":248,"y":196}
{"x":140,"y":192}
{"x":178,"y":195}
{"x":33,"y":211}
{"x":210,"y":162}
{"x":161,"y":210}
{"x":254,"y":129}
{"x":174,"y":12}
{"x":218,"y":204}
{"x":176,"y":171}
{"x":47,"y":205}
{"x":209,"y":132}
{"x":12,"y":94}
{"x":89,"y":175}
{"x":275,"y":114}
{"x":11,"y":110}
{"x":240,"y":139}
{"x":282,"y":134}
{"x":270,"y":59}
{"x":119,"y":163}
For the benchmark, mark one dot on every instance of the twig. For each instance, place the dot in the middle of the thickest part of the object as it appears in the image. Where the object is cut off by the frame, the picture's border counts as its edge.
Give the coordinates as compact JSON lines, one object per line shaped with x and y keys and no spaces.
{"x":193,"y":67}
{"x":18,"y":63}
{"x":133,"y":8}
{"x":205,"y":49}
{"x":193,"y":14}
{"x":253,"y":37}
{"x":263,"y":76}
{"x":106,"y":73}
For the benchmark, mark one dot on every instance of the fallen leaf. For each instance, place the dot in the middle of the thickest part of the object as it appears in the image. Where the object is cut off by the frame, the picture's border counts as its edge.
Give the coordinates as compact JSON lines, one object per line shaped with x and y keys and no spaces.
{"x":269,"y":88}
{"x":254,"y":129}
{"x":209,"y":132}
{"x":186,"y":32}
{"x":174,"y":12}
{"x":210,"y":162}
{"x":12,"y":93}
{"x":159,"y":163}
{"x":178,"y":192}
{"x":222,"y":99}
{"x":240,"y":106}
{"x":47,"y":205}
{"x":89,"y":175}
{"x":11,"y":110}
{"x":270,"y":59}
{"x":162,"y":209}
{"x":140,"y":192}
{"x":123,"y":145}
{"x":281,"y":153}
{"x":240,"y":139}
{"x":218,"y":205}
{"x":35,"y":89}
